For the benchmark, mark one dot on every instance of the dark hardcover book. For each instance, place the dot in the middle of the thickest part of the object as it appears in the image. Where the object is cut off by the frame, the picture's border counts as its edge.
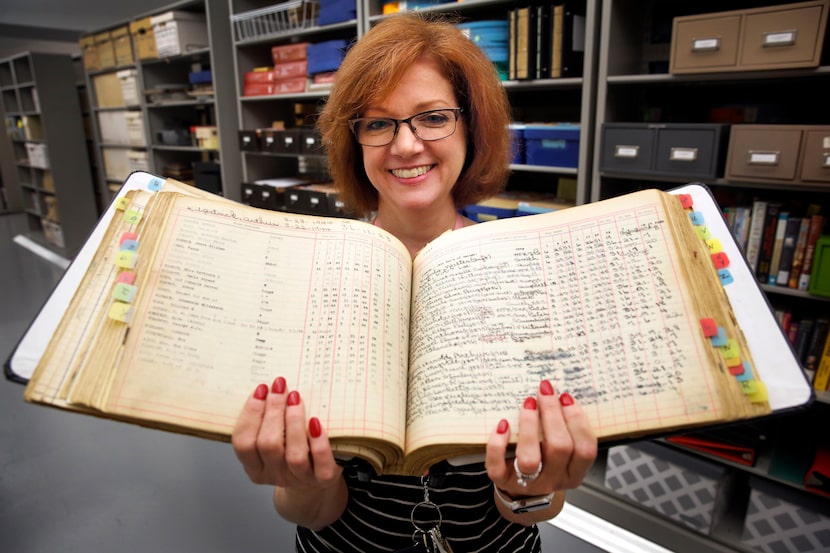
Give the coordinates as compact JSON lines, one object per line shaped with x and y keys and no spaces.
{"x":767,"y":242}
{"x":785,"y":261}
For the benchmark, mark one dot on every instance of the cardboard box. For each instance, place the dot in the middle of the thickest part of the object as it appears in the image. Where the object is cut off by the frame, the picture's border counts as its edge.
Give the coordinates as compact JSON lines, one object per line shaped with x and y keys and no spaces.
{"x":205,"y":137}
{"x":89,"y":53}
{"x":113,"y":127}
{"x":137,"y":160}
{"x":122,"y":45}
{"x":108,"y":92}
{"x":289,"y":52}
{"x":116,"y":163}
{"x":52,"y":232}
{"x":135,"y":129}
{"x":686,"y":489}
{"x":129,"y":87}
{"x":38,"y":155}
{"x":144,"y":40}
{"x":179,"y":32}
{"x":106,"y":53}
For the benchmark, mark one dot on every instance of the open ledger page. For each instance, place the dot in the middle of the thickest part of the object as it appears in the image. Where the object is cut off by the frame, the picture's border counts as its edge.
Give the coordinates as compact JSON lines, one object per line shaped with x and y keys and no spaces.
{"x":235,"y":296}
{"x":592,"y":298}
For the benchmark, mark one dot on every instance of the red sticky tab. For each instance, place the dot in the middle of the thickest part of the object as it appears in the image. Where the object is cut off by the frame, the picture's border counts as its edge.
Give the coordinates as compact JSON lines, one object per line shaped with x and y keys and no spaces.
{"x":710,"y":327}
{"x":721,"y":260}
{"x":736,"y":370}
{"x":685,"y":200}
{"x":126,"y":277}
{"x":127,"y":236}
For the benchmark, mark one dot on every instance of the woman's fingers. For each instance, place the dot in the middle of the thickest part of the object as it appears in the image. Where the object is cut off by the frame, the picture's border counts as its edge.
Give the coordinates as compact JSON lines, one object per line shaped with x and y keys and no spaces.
{"x":246,"y":431}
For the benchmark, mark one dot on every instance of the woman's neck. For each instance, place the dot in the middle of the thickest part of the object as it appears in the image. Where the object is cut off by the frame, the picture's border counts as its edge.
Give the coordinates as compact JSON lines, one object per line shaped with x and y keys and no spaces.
{"x":416,"y":229}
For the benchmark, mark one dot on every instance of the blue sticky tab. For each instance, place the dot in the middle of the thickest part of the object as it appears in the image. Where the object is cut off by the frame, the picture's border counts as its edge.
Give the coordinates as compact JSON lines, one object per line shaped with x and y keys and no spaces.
{"x":720,"y":338}
{"x":129,"y":245}
{"x":154,"y":185}
{"x":747,"y":374}
{"x":725,"y":277}
{"x":697,"y":218}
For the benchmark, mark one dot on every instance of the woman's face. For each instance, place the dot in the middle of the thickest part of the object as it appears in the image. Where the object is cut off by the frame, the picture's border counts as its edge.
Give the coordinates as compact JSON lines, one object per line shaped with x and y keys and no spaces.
{"x":412,"y":174}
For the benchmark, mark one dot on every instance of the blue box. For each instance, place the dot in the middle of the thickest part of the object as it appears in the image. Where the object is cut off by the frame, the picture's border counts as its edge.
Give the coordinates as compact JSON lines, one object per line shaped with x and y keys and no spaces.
{"x":336,"y":11}
{"x":552,"y":145}
{"x":326,"y":56}
{"x":517,"y":137}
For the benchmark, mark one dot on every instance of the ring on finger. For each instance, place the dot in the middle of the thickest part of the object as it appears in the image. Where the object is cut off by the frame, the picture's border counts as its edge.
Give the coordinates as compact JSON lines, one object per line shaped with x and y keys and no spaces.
{"x":524,"y":479}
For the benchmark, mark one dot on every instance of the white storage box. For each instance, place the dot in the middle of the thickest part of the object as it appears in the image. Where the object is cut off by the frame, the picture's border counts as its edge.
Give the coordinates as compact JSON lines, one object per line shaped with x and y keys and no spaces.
{"x":129,"y":86}
{"x":135,"y":129}
{"x":52,"y":232}
{"x":685,"y":489}
{"x":38,"y":155}
{"x":179,"y":32}
{"x":781,"y":520}
{"x":137,"y":160}
{"x":113,"y":126}
{"x":116,"y":163}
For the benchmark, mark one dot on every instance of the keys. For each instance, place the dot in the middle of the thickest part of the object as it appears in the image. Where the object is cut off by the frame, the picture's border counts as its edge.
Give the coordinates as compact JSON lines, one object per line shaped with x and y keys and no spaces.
{"x":426,"y":518}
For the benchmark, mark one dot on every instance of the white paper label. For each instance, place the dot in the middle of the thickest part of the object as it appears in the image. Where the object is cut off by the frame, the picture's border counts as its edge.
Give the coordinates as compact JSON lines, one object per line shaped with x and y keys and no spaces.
{"x":779,"y":39}
{"x":826,"y":161}
{"x":627,"y":151}
{"x":763,"y":158}
{"x":683,"y":154}
{"x":705,"y":44}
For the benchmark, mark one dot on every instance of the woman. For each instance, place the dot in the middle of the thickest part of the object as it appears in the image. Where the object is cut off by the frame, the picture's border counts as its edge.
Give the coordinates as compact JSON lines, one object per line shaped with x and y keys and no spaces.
{"x":415,"y":127}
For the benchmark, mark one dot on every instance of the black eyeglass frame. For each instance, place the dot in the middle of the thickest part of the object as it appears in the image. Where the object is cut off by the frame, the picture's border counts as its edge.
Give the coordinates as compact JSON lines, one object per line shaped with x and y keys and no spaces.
{"x":353,"y":122}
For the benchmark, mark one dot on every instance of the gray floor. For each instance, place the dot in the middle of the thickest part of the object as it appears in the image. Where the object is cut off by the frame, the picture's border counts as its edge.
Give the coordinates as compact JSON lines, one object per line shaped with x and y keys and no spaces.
{"x":71,"y":483}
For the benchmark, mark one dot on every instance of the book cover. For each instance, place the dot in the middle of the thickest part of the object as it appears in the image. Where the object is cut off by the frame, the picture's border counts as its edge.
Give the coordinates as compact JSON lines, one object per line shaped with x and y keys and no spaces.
{"x":777,"y":247}
{"x":767,"y":241}
{"x":787,"y":255}
{"x":756,"y":233}
{"x":798,"y":255}
{"x":816,"y":227}
{"x":816,"y":345}
{"x":573,"y":39}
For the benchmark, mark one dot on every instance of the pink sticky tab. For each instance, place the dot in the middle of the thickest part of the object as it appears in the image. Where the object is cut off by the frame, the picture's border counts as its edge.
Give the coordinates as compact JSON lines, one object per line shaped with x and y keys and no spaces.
{"x":710,"y":328}
{"x":127,"y":236}
{"x":126,"y":277}
{"x":685,"y":200}
{"x":721,"y":260}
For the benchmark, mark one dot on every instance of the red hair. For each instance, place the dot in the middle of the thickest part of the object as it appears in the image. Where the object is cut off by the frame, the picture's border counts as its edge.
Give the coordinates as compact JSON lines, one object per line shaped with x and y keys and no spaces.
{"x":371,"y":70}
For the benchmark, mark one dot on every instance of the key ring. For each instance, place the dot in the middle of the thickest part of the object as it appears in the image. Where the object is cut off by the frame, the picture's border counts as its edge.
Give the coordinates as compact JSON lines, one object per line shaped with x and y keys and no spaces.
{"x":425,"y":524}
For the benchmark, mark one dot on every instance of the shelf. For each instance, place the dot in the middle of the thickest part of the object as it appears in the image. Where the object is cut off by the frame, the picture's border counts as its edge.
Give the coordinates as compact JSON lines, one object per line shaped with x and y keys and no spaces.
{"x":297,"y":34}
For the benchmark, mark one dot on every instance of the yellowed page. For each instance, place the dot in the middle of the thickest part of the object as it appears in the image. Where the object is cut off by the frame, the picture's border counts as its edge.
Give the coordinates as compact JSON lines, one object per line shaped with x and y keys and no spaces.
{"x":591,"y":298}
{"x":236,"y":296}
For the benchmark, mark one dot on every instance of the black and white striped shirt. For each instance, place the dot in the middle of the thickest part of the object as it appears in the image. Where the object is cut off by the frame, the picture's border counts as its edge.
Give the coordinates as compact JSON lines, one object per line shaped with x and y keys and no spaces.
{"x":377,"y":517}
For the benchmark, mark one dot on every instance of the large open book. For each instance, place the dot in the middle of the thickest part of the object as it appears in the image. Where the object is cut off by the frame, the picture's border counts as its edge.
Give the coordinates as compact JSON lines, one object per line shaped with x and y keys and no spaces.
{"x":187,"y":301}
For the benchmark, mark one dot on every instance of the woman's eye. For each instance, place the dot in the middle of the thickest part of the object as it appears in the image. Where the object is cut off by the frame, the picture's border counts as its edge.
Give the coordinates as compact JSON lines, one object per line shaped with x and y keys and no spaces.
{"x":433,"y":119}
{"x":376,"y":125}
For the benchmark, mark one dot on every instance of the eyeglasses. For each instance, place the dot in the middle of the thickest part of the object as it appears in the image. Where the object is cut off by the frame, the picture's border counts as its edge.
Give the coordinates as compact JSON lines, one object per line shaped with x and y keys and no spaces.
{"x":434,"y":124}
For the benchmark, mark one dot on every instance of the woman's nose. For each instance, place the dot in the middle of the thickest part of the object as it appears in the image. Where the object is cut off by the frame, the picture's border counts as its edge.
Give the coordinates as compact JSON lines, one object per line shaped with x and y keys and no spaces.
{"x":406,"y":141}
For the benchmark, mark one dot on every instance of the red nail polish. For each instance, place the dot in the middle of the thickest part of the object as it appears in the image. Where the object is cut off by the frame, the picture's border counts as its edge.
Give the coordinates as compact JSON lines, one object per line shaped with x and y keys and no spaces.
{"x":261,"y":392}
{"x":530,"y":403}
{"x":294,"y":398}
{"x":546,"y":388}
{"x":314,"y":427}
{"x":278,"y":387}
{"x":503,"y":426}
{"x":565,"y":399}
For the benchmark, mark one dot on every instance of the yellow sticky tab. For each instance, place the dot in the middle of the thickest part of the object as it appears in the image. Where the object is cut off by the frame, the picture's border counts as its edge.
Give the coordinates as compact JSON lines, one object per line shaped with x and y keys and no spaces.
{"x":126,"y":259}
{"x":760,"y":395}
{"x":731,"y":349}
{"x":714,"y":245}
{"x":122,"y":203}
{"x":749,"y":387}
{"x":703,"y":232}
{"x":121,"y":312}
{"x":132,"y":216}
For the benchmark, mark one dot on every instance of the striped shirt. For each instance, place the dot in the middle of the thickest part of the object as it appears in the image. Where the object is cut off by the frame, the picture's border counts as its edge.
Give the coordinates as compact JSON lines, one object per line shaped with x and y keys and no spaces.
{"x":377,"y":516}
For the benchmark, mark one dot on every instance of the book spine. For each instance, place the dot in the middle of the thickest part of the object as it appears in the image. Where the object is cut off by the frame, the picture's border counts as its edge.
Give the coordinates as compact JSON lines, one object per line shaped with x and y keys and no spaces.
{"x":756,"y":233}
{"x":814,"y":349}
{"x":802,"y":339}
{"x":777,"y":246}
{"x":785,"y":264}
{"x":767,"y":241}
{"x":823,"y":371}
{"x":798,"y":256}
{"x":816,"y":226}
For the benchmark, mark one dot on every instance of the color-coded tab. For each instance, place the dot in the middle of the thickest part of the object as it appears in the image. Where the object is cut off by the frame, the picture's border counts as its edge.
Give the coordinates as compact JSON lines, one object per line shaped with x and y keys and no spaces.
{"x":124,"y":292}
{"x":719,"y":339}
{"x":128,"y":236}
{"x":121,"y":312}
{"x":721,"y":260}
{"x":714,"y":245}
{"x":129,"y":245}
{"x":735,"y":369}
{"x":749,"y":387}
{"x":122,"y":203}
{"x":725,"y":277}
{"x":126,"y":259}
{"x":697,"y":218}
{"x":685,"y":200}
{"x":710,"y":328}
{"x":132,"y":216}
{"x":154,"y":185}
{"x":759,"y":393}
{"x":703,"y":232}
{"x":127,"y":277}
{"x":747,"y":373}
{"x":732,"y":349}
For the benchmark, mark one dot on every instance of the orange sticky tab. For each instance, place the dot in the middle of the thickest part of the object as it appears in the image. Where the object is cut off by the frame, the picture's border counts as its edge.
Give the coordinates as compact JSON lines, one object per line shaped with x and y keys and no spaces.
{"x":721,"y":260}
{"x":685,"y":200}
{"x":121,"y":312}
{"x":127,"y":277}
{"x":126,"y":259}
{"x":710,"y":327}
{"x":714,"y":245}
{"x":127,"y":236}
{"x":122,"y":203}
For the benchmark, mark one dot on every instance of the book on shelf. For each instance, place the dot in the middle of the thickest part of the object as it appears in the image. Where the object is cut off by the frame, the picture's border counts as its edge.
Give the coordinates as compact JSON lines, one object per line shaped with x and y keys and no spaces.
{"x":777,"y":247}
{"x":822,"y":376}
{"x":787,"y":253}
{"x":767,"y":241}
{"x":800,"y":249}
{"x":816,"y":227}
{"x":756,"y":233}
{"x":815,"y":347}
{"x":183,"y":302}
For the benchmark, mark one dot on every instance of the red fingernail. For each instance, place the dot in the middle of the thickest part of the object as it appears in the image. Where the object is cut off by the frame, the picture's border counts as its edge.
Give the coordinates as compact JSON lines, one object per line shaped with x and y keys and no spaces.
{"x":261,"y":392}
{"x":565,"y":399}
{"x":530,"y":403}
{"x":546,"y":388}
{"x":503,"y":426}
{"x":294,"y":398}
{"x":278,"y":387}
{"x":314,"y":427}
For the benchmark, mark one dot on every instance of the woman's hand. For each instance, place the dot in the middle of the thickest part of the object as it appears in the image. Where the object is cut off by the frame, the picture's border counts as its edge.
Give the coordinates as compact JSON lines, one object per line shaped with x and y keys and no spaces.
{"x":275,"y":447}
{"x":554,"y":434}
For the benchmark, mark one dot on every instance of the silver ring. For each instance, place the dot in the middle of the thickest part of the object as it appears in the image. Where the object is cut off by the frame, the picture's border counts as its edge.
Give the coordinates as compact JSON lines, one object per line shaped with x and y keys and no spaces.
{"x":524,"y":479}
